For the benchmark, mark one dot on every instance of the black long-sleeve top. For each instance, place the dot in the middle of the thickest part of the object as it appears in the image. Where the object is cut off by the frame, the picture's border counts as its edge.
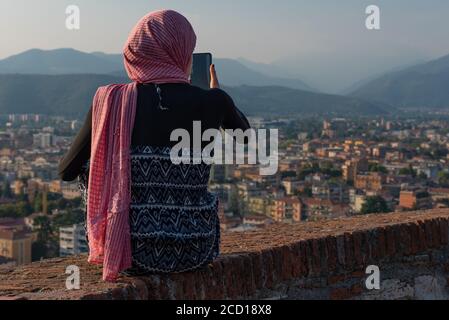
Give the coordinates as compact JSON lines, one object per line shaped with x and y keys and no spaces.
{"x":153,"y":126}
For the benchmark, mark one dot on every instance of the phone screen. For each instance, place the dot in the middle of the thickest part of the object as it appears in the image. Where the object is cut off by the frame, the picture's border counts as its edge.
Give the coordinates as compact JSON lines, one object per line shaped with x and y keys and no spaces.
{"x":201,"y":70}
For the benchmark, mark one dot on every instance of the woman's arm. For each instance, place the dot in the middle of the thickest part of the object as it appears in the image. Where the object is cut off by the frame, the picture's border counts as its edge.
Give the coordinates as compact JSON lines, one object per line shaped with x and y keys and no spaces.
{"x":72,"y":163}
{"x":232,"y":117}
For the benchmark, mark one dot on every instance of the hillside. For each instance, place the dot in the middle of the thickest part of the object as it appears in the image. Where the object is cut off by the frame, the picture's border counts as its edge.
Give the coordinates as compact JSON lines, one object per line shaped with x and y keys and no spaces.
{"x":68,"y":95}
{"x":70,"y":61}
{"x":285,"y":101}
{"x":71,"y":95}
{"x":424,"y":85}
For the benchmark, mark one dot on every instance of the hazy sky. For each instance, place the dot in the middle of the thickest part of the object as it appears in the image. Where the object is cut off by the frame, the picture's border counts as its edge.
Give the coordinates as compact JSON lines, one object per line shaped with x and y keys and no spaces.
{"x":308,"y":37}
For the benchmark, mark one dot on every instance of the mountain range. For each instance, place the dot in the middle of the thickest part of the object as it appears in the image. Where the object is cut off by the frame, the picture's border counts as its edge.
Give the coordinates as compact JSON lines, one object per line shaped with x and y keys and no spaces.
{"x":71,"y":95}
{"x":63,"y":82}
{"x":70,"y":61}
{"x":425,"y":85}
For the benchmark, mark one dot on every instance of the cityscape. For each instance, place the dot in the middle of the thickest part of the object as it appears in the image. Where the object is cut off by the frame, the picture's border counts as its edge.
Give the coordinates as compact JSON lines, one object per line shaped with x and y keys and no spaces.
{"x":328,"y":168}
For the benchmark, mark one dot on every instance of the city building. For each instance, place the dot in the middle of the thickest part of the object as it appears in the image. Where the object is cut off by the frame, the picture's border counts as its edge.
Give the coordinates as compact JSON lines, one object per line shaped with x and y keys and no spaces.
{"x":372,"y":181}
{"x":15,"y":241}
{"x":72,"y":240}
{"x":353,"y":167}
{"x":43,"y":140}
{"x":70,"y":190}
{"x":415,"y":199}
{"x":287,"y":209}
{"x":291,"y":185}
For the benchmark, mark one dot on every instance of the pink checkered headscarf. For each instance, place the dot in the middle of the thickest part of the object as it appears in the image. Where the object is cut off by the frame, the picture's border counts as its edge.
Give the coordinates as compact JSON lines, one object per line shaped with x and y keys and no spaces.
{"x":158,"y":50}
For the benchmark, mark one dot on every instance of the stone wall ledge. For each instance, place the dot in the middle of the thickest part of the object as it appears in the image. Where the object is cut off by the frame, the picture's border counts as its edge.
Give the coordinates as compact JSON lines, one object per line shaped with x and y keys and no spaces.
{"x":314,"y":260}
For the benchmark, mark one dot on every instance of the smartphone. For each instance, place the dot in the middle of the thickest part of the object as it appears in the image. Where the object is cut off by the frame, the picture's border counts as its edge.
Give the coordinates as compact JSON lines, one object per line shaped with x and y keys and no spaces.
{"x":201,"y":70}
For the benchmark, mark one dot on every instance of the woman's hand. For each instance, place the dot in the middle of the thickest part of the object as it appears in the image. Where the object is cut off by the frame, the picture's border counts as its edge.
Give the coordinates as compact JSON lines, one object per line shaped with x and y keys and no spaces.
{"x":214,"y":84}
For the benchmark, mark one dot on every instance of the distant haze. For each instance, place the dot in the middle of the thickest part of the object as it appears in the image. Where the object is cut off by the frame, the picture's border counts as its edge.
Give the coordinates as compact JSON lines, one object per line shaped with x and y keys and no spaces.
{"x":323,"y":43}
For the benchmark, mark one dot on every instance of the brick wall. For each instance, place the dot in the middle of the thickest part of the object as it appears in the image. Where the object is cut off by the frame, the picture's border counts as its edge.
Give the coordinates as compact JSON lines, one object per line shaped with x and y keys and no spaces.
{"x":316,"y":260}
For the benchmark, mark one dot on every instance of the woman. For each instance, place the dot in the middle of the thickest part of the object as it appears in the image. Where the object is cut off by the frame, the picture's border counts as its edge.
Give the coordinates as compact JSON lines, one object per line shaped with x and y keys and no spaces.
{"x":144,"y":213}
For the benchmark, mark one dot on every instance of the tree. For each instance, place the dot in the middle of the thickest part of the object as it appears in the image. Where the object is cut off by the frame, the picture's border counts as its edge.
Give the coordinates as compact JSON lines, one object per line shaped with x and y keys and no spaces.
{"x":422,"y":176}
{"x":234,"y":202}
{"x":375,"y":204}
{"x":38,"y":202}
{"x":44,"y":228}
{"x":443,"y":178}
{"x":288,"y":174}
{"x":46,"y":245}
{"x":19,"y":209}
{"x":408,"y":171}
{"x":307,"y":192}
{"x":376,"y":167}
{"x":6,"y":189}
{"x":68,"y":218}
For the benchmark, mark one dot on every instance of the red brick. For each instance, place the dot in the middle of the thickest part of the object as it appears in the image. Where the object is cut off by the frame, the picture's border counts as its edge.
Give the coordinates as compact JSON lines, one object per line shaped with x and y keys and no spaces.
{"x":358,"y":274}
{"x":422,"y":236}
{"x":366,"y":247}
{"x":118,"y":294}
{"x":324,"y":255}
{"x":435,"y":233}
{"x":96,"y":296}
{"x":331,"y":243}
{"x":356,"y":290}
{"x":405,"y":239}
{"x":428,"y":233}
{"x":349,"y":251}
{"x":340,"y":293}
{"x":382,"y":242}
{"x":334,"y":279}
{"x":250,"y":260}
{"x":189,"y":286}
{"x":11,"y":298}
{"x":229,"y":281}
{"x":213,"y":282}
{"x":239,"y":275}
{"x":248,"y":276}
{"x":164,"y":289}
{"x":287,"y":264}
{"x":304,"y":258}
{"x":257,"y":266}
{"x":341,"y":255}
{"x":358,"y":256}
{"x":178,"y":283}
{"x":277,"y":263}
{"x":444,"y":231}
{"x":141,"y":289}
{"x":446,"y":267}
{"x":371,"y":242}
{"x":153,"y":284}
{"x":267,"y":260}
{"x":316,"y":257}
{"x":296,"y":260}
{"x":309,"y":258}
{"x":400,"y":244}
{"x":390,"y":241}
{"x":378,"y":246}
{"x":414,"y":238}
{"x":346,"y":293}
